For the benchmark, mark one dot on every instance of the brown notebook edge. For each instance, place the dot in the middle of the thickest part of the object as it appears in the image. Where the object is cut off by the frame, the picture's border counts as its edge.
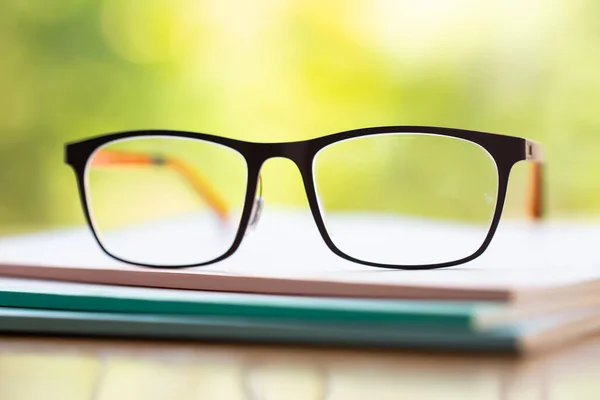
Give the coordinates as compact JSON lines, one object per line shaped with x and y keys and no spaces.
{"x":249,"y":284}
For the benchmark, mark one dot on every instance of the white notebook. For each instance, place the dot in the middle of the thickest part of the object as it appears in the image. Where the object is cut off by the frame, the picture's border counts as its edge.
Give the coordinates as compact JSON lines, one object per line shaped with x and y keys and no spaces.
{"x":555,"y":262}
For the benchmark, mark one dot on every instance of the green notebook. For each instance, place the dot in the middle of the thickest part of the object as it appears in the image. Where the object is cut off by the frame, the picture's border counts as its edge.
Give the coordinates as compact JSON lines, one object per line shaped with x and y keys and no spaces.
{"x":99,"y":298}
{"x":527,"y":337}
{"x":81,"y":309}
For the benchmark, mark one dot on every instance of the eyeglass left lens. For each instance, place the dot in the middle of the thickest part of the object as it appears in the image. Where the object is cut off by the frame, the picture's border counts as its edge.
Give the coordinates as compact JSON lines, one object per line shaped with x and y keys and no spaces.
{"x":409,"y":199}
{"x":165,"y":201}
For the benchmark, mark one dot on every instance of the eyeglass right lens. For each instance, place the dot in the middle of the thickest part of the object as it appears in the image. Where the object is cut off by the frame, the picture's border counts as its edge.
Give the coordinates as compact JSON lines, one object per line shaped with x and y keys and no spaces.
{"x":406,"y":199}
{"x":166,"y":201}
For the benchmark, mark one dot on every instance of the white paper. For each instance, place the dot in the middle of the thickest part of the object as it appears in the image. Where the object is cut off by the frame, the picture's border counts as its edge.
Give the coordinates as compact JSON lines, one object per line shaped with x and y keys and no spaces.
{"x":287,"y":244}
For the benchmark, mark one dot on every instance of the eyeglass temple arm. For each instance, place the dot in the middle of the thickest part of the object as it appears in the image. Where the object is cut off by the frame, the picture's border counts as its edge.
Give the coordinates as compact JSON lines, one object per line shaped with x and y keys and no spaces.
{"x":198,"y":182}
{"x":535,"y":200}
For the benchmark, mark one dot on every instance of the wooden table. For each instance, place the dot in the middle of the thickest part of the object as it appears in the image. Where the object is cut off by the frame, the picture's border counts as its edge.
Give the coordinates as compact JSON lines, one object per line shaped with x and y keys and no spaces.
{"x":98,"y":369}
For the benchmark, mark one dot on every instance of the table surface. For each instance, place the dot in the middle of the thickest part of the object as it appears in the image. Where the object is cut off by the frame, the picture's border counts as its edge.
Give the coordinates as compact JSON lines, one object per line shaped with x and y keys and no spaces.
{"x":99,"y":369}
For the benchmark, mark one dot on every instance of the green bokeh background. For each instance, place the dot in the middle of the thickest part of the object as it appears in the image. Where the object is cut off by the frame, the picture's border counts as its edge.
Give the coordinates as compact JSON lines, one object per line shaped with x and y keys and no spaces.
{"x":275,"y":70}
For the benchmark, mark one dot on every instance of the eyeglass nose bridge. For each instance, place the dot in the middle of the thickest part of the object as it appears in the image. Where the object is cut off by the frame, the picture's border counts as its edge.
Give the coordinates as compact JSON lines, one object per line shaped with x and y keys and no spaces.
{"x":297,"y":152}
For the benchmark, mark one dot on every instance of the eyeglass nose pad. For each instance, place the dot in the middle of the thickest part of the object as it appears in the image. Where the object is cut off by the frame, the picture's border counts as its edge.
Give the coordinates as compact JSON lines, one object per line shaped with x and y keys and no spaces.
{"x":257,"y":207}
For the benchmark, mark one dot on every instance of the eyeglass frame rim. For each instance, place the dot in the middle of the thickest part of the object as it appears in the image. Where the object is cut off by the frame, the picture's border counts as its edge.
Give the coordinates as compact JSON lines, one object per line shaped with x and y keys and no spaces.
{"x":505,"y":150}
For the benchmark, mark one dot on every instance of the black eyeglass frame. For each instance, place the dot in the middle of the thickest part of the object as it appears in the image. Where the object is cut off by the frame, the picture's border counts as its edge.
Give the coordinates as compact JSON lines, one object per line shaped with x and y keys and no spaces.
{"x":506,"y":151}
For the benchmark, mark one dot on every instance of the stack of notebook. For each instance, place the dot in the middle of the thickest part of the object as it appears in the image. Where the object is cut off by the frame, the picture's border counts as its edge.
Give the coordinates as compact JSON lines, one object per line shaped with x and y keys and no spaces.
{"x":535,"y":288}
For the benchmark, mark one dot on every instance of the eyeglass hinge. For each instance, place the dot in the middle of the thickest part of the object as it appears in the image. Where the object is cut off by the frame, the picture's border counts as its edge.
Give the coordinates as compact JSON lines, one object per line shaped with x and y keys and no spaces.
{"x":533,"y":151}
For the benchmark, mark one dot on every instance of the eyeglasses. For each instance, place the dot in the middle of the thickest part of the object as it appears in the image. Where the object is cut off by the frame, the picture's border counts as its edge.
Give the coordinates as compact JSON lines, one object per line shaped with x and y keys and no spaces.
{"x":405,"y":197}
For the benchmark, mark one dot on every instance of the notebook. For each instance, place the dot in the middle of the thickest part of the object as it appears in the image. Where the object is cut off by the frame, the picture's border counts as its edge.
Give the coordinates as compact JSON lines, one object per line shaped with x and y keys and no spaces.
{"x":547,"y":266}
{"x":534,"y":288}
{"x":525,"y":338}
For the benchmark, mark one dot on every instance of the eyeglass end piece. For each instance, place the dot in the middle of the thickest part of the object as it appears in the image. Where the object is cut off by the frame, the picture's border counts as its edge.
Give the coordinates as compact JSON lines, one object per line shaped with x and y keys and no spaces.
{"x":533,"y":151}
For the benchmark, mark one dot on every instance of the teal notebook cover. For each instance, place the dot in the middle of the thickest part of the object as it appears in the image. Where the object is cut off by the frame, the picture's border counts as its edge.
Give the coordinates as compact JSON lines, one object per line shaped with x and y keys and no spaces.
{"x":96,"y":298}
{"x":519,"y":338}
{"x":228,"y":329}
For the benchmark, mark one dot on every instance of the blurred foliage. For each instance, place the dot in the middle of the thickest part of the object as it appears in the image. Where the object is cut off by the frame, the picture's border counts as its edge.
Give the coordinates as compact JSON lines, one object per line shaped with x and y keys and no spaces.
{"x":273,"y":70}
